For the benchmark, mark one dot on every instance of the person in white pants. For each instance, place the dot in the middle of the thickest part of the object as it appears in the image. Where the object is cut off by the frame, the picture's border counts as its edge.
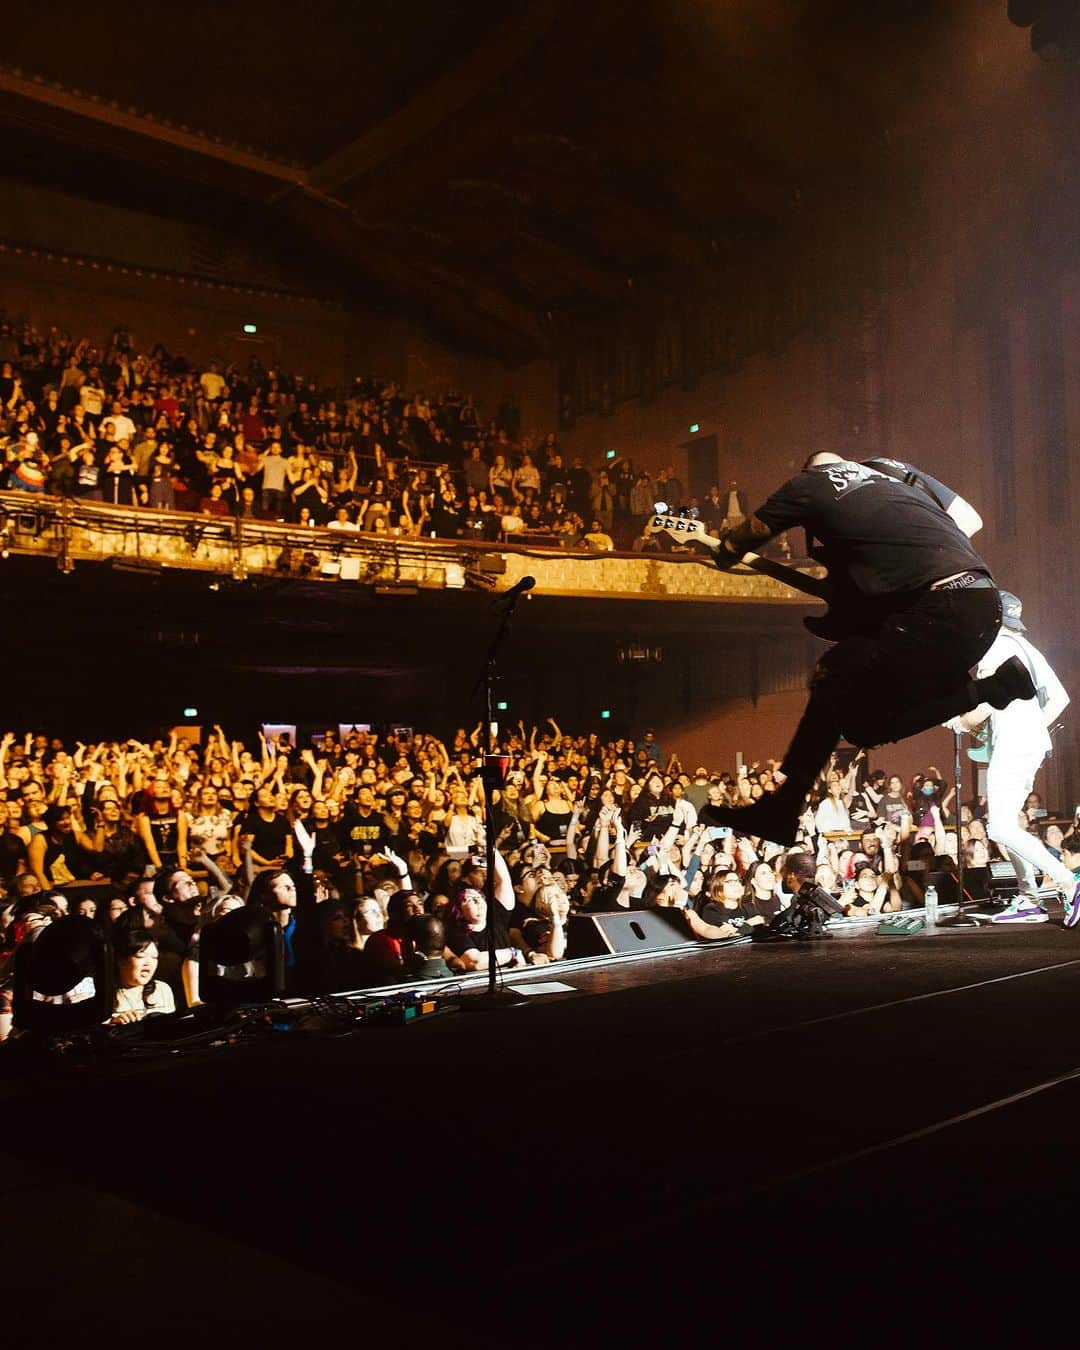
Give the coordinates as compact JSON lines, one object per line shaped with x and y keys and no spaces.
{"x":1019,"y":741}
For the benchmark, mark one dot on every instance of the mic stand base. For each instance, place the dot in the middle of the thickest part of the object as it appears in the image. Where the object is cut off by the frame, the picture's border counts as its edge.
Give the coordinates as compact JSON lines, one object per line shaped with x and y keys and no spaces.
{"x":959,"y":919}
{"x":491,"y":1001}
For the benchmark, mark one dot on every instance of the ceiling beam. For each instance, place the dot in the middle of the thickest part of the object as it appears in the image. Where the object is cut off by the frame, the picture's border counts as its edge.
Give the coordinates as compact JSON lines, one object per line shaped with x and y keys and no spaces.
{"x":127,"y":123}
{"x":344,"y":248}
{"x":429,"y":110}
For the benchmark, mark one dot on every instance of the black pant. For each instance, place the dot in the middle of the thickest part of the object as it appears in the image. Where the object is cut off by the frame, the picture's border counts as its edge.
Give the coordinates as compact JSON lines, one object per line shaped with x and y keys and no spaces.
{"x":909,"y":673}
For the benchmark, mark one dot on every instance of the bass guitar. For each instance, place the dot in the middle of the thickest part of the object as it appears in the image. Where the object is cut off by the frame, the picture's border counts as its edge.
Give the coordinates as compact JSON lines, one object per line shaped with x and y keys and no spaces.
{"x":685,"y":529}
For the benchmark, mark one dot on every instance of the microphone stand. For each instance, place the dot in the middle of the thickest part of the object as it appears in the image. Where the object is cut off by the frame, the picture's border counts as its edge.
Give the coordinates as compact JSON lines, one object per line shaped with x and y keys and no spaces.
{"x":492,"y":775}
{"x":959,"y":919}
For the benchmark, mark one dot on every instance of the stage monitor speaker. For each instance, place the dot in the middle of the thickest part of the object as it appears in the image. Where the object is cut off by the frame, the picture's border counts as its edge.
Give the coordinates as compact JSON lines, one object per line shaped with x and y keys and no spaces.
{"x":1003,"y":885}
{"x":946,"y":886}
{"x":626,"y":930}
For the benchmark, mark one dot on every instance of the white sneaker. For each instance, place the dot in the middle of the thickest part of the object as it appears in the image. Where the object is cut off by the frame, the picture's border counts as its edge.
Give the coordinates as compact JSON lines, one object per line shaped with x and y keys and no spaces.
{"x":1024,"y":909}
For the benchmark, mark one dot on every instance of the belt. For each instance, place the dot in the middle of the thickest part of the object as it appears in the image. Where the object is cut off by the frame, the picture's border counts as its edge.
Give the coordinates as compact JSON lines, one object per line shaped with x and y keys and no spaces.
{"x":965,"y":581}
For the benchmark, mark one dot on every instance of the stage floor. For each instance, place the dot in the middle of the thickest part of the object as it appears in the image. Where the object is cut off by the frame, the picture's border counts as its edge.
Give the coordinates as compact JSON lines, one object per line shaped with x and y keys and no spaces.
{"x":723,"y":1140}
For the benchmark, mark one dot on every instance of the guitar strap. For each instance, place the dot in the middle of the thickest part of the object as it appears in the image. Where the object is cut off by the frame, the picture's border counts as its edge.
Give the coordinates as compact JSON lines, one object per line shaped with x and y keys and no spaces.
{"x":905,"y":474}
{"x":902,"y":473}
{"x":1040,"y":689}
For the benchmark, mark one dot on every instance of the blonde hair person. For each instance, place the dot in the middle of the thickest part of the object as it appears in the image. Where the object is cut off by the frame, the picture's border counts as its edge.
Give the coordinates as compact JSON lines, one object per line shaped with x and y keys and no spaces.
{"x":543,"y":937}
{"x":368,"y":919}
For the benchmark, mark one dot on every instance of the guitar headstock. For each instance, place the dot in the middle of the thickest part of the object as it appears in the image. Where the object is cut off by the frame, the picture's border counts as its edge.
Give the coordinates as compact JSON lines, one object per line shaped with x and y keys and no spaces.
{"x":681,"y":527}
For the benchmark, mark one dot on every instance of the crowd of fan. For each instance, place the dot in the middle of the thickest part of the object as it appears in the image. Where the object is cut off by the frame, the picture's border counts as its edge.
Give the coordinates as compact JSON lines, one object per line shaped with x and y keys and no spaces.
{"x":115,"y":423}
{"x":385,"y":836}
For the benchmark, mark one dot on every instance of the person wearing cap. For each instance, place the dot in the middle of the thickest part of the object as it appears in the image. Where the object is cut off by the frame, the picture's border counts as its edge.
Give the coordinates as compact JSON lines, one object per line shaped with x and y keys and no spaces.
{"x":1017,"y":740}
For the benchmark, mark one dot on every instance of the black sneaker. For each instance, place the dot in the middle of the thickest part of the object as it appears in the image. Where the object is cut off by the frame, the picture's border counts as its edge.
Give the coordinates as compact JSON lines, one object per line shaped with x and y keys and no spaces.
{"x":1010,"y":681}
{"x":760,"y":821}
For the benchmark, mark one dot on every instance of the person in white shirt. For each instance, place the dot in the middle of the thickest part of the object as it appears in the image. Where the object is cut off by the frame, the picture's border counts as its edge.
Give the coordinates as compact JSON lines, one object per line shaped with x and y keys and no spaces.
{"x":832,"y":815}
{"x":213,"y":386}
{"x":123,"y":426}
{"x":342,"y":521}
{"x":735,"y":511}
{"x":1018,"y":742}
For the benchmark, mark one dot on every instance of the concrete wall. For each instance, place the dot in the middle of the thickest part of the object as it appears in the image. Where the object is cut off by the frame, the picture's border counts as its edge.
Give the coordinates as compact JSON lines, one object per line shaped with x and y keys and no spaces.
{"x":399,"y":350}
{"x":201,"y":319}
{"x":976,"y":325}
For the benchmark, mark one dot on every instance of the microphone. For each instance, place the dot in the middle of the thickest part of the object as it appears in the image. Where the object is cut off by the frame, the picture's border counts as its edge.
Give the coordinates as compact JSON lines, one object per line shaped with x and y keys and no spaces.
{"x":525,"y":584}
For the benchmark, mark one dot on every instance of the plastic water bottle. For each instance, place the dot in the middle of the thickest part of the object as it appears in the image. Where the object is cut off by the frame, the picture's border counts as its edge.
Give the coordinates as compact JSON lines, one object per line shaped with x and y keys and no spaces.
{"x":930,"y":902}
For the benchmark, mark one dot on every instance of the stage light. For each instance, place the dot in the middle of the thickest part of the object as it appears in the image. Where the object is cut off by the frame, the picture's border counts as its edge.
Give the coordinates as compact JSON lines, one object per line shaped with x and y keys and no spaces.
{"x":660,"y":508}
{"x":605,"y":714}
{"x":191,"y":712}
{"x":241,"y":959}
{"x":694,"y":426}
{"x":609,"y":454}
{"x":63,"y":979}
{"x":250,"y":328}
{"x":502,"y":705}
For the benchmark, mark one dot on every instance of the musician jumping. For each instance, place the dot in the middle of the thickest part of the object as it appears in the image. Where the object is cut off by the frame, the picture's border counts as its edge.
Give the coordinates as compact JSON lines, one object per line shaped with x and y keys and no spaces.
{"x":914,"y":608}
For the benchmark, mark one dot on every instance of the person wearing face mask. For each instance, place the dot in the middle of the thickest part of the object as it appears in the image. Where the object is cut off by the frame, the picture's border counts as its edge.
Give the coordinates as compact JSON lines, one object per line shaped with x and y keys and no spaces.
{"x":928,"y":792}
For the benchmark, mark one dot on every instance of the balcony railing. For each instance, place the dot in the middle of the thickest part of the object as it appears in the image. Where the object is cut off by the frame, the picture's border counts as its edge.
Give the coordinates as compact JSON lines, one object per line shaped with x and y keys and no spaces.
{"x":72,"y":532}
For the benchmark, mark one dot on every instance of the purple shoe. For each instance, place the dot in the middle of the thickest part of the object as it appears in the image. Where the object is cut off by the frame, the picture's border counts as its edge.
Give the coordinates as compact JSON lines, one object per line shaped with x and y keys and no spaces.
{"x":1072,"y":908}
{"x":1024,"y":909}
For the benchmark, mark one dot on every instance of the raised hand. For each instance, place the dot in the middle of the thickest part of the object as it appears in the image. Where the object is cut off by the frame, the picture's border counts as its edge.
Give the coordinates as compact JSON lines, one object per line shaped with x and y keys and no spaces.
{"x":399,"y":863}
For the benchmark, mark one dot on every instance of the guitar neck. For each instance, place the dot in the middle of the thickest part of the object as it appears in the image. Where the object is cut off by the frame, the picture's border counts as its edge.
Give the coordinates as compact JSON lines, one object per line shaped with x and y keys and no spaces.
{"x":790,"y":576}
{"x":754,"y":562}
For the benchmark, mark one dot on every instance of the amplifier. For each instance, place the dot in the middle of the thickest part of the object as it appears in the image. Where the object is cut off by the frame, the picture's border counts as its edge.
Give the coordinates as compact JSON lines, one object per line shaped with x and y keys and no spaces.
{"x":1001,"y":883}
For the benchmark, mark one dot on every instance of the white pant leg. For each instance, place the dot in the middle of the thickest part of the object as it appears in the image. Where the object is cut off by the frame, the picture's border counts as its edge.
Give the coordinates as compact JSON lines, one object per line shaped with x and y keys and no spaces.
{"x":1009,"y":777}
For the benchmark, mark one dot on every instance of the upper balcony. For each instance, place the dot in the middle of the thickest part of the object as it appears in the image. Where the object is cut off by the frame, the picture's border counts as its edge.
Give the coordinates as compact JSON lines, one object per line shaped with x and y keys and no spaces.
{"x":72,"y":532}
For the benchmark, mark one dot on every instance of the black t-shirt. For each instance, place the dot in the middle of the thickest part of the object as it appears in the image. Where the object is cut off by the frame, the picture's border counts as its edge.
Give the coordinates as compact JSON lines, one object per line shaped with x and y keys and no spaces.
{"x":893,"y":809}
{"x":12,"y":854}
{"x":761,"y":909}
{"x":717,"y":915}
{"x":880,"y":535}
{"x":461,"y":940}
{"x":605,"y":896}
{"x":364,"y":834}
{"x":654,"y":817}
{"x":164,"y":830}
{"x":268,"y":836}
{"x":327,"y":844}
